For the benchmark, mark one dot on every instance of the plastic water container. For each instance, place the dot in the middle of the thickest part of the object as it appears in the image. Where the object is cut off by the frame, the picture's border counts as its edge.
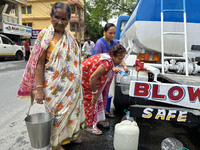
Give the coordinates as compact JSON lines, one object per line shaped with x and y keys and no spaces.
{"x":125,"y":84}
{"x":171,"y":144}
{"x":126,"y":135}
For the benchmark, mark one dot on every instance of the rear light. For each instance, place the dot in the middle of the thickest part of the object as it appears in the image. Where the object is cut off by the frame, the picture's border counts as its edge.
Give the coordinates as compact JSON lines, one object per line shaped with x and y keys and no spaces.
{"x":156,"y":57}
{"x":148,"y":57}
{"x":143,"y":56}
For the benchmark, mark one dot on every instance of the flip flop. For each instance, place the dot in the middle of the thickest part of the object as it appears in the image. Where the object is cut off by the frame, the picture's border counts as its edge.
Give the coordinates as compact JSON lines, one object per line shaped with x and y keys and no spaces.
{"x":109,"y":115}
{"x":92,"y":131}
{"x":77,"y":141}
{"x":104,"y":124}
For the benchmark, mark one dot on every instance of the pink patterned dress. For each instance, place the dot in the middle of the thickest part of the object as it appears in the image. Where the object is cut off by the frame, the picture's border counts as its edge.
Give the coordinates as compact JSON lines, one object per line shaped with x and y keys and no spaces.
{"x":95,"y":113}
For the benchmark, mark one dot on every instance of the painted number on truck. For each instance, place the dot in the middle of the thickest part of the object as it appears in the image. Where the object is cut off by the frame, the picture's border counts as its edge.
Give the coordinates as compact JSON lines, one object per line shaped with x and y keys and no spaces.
{"x":162,"y":114}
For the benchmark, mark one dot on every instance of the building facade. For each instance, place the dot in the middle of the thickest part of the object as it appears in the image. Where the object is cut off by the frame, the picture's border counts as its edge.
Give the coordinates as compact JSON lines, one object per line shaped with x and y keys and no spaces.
{"x":11,"y":20}
{"x":36,"y":14}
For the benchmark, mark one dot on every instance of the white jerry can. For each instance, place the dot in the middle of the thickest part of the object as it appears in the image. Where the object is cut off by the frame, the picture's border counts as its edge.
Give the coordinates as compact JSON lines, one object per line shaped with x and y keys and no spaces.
{"x":126,"y":135}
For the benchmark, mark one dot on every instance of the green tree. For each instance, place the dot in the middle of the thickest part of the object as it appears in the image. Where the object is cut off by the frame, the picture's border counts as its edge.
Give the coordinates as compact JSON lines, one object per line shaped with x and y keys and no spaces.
{"x":103,"y":10}
{"x":93,"y":27}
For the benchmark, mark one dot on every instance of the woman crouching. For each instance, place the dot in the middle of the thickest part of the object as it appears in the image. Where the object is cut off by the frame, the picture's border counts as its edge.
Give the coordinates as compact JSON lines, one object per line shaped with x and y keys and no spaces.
{"x":97,"y":72}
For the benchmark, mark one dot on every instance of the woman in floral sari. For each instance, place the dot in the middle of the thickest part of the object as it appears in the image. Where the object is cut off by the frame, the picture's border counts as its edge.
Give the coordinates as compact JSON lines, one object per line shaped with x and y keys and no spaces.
{"x":97,"y":74}
{"x":53,"y":74}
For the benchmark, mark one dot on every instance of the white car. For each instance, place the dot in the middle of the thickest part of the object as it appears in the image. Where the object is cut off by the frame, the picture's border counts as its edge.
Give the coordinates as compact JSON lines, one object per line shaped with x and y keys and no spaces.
{"x":9,"y":49}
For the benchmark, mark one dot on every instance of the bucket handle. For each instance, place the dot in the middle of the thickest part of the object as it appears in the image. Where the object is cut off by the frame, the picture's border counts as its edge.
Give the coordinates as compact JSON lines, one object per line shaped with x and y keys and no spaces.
{"x":35,"y":103}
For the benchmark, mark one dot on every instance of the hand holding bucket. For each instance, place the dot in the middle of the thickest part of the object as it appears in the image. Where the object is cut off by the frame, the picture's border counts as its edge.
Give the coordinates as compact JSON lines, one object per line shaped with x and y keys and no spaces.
{"x":39,"y":127}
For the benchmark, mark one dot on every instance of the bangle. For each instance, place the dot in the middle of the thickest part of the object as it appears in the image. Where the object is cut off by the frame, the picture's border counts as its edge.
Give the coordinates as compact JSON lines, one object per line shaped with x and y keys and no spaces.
{"x":39,"y":86}
{"x":95,"y":92}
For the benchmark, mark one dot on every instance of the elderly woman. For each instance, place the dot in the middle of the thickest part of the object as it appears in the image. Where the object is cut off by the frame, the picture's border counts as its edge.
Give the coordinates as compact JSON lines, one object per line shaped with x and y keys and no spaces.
{"x":97,"y":74}
{"x":54,"y":73}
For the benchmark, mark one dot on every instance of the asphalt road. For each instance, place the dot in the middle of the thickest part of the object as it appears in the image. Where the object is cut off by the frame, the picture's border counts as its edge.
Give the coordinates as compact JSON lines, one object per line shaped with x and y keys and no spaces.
{"x":14,"y":136}
{"x":13,"y":132}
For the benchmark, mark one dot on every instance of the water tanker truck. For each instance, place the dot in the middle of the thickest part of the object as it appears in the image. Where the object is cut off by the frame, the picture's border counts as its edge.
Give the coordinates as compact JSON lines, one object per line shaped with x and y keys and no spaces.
{"x":162,"y":39}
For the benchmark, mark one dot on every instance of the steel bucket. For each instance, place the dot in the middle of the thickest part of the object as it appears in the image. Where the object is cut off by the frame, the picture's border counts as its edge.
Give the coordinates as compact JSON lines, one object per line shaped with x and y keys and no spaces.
{"x":39,"y":128}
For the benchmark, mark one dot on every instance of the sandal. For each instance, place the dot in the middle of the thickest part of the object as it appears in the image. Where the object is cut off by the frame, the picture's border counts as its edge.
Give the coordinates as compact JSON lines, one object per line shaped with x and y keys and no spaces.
{"x":77,"y":141}
{"x":104,"y":124}
{"x":92,"y":131}
{"x":109,"y":115}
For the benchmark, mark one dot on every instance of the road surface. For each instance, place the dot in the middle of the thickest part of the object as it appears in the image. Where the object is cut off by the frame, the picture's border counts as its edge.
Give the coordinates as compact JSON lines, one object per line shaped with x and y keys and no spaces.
{"x":14,"y":136}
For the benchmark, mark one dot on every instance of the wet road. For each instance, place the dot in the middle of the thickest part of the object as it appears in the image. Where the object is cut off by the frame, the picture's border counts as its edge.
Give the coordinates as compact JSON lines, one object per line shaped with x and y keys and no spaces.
{"x":152,"y":133}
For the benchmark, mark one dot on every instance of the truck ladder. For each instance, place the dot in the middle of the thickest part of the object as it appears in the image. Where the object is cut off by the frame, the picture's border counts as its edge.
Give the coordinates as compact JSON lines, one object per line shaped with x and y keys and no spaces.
{"x":173,"y":33}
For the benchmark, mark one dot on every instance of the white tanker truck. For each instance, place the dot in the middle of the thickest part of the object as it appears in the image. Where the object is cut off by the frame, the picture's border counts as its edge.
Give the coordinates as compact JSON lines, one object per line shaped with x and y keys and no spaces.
{"x":162,"y":38}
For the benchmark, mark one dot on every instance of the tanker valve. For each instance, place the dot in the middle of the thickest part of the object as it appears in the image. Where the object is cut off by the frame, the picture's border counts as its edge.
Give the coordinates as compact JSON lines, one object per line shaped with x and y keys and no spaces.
{"x":141,"y":67}
{"x":136,"y":63}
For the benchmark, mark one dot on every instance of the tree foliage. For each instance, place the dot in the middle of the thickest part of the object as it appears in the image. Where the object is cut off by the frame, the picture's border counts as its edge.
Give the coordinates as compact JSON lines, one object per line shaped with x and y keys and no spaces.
{"x":93,"y":28}
{"x":103,"y":10}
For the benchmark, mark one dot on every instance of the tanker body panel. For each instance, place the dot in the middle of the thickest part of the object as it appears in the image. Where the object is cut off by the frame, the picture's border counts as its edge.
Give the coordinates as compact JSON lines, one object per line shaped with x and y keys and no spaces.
{"x":150,"y":90}
{"x":143,"y":29}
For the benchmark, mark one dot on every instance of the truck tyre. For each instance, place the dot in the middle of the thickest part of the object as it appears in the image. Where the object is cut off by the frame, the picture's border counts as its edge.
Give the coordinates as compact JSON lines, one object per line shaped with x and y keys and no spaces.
{"x":19,"y":55}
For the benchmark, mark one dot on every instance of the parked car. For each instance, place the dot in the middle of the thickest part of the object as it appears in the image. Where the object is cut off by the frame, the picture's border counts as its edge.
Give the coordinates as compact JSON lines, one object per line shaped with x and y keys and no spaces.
{"x":9,"y":49}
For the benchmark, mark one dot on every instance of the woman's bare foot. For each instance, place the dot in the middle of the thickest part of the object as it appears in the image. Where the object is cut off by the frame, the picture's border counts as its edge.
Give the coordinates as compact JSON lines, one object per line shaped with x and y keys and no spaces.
{"x":109,"y":115}
{"x":104,"y":124}
{"x":93,"y":131}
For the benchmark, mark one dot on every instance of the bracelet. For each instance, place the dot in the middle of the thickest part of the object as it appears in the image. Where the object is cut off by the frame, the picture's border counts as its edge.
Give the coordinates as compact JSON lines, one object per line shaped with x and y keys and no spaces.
{"x":95,"y":92}
{"x":39,"y":86}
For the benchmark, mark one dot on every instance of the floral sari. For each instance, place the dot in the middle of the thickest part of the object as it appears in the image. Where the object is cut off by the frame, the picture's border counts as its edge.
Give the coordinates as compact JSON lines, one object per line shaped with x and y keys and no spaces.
{"x":95,"y":112}
{"x":62,"y":84}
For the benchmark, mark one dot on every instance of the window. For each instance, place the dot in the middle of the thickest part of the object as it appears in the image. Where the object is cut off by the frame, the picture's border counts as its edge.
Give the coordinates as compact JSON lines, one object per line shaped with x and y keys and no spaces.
{"x":79,"y":11}
{"x":6,"y":41}
{"x":23,"y":10}
{"x":29,"y":24}
{"x":72,"y":9}
{"x":12,"y":11}
{"x":29,"y":10}
{"x":72,"y":26}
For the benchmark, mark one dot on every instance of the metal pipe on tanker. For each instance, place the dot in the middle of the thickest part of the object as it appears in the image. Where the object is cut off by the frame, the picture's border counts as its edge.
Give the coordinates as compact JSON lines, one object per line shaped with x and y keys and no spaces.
{"x":153,"y":70}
